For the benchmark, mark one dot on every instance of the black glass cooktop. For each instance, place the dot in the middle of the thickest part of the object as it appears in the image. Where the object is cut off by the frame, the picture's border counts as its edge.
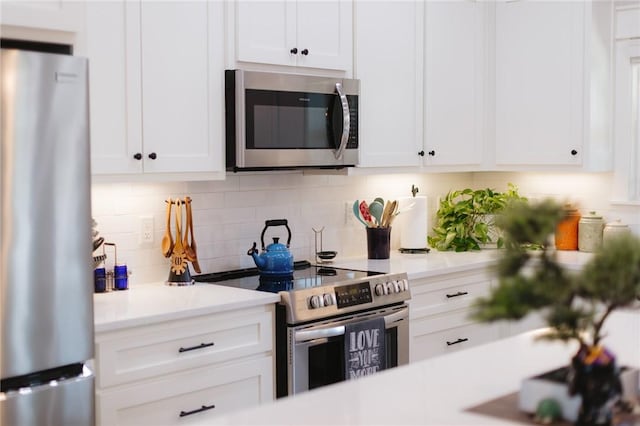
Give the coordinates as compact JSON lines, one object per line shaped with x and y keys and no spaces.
{"x":305,"y":275}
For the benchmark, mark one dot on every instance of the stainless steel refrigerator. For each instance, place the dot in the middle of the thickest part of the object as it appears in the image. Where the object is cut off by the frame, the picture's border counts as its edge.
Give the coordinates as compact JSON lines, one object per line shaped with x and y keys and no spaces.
{"x":46,"y":282}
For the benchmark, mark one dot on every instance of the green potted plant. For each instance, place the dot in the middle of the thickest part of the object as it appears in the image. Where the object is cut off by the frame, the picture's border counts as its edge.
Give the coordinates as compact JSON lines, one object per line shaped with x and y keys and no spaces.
{"x":574,"y":305}
{"x":466,"y":218}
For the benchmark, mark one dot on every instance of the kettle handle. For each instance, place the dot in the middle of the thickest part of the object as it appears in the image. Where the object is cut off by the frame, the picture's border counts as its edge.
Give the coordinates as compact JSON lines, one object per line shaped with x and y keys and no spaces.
{"x":253,"y":249}
{"x":275,"y":222}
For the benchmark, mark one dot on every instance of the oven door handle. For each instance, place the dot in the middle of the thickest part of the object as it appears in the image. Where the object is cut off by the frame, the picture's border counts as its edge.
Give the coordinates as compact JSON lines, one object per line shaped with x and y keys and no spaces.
{"x":346,"y":121}
{"x":325,"y":333}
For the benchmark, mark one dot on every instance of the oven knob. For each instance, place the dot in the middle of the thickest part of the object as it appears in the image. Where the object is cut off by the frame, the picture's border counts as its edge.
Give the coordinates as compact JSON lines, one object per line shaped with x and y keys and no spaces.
{"x":390,"y":287}
{"x":328,"y":299}
{"x":315,"y":301}
{"x":405,"y":284}
{"x":380,"y":290}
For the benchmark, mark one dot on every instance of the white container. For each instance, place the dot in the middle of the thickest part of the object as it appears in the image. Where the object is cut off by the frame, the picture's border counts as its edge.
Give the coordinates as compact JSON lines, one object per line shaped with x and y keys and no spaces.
{"x":590,"y":229}
{"x":612,"y":229}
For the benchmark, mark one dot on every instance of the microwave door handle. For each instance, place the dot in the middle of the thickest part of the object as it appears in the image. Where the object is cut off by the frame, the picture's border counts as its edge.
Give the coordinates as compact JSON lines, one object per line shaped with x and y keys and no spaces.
{"x":346,"y":121}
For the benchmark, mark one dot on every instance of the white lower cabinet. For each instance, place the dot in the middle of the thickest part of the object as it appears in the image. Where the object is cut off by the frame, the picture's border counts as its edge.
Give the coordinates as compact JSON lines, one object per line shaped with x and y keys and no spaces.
{"x":443,"y":334}
{"x":440,"y":312}
{"x":186,"y":370}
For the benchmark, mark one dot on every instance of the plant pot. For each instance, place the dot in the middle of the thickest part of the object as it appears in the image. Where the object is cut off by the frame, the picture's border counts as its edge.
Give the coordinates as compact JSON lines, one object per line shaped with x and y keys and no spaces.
{"x":554,"y":384}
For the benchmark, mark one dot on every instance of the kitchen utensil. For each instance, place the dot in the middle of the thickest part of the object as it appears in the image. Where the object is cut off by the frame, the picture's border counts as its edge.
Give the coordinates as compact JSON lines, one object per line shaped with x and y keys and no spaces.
{"x":178,"y":259}
{"x":97,"y":243}
{"x":366,"y":214}
{"x":190,"y":248}
{"x":275,"y":259}
{"x":376,"y":208}
{"x":356,"y":212}
{"x":322,"y":256}
{"x":167,"y":239}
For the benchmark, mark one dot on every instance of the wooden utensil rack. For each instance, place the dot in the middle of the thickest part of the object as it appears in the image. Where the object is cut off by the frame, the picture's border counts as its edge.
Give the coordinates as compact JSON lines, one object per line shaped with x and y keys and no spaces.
{"x":182,"y":248}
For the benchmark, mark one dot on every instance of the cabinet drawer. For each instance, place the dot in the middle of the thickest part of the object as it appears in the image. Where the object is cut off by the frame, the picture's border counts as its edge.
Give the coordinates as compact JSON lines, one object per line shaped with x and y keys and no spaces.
{"x":188,"y":398}
{"x":143,"y":352}
{"x":429,"y":344}
{"x":429,"y":298}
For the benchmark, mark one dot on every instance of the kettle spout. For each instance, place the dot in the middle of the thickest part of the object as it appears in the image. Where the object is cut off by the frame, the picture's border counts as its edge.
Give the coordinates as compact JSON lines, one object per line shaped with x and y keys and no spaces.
{"x":259,"y":261}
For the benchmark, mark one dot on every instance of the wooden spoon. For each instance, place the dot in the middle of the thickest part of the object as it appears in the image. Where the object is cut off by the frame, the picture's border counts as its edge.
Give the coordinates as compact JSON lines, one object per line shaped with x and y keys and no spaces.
{"x":190,"y":249}
{"x":178,"y":260}
{"x":167,"y":239}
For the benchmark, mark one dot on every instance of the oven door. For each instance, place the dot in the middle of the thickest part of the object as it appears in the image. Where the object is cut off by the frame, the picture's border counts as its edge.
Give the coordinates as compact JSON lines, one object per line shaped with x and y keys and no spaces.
{"x":318,"y":349}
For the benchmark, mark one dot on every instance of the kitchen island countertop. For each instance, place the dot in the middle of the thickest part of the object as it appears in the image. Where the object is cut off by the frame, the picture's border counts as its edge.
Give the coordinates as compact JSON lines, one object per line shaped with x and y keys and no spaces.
{"x":440,"y":390}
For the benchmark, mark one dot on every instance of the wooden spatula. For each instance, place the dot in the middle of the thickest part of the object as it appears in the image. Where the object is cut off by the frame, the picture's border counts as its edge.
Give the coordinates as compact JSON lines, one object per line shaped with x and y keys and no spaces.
{"x":167,"y":239}
{"x":190,"y":248}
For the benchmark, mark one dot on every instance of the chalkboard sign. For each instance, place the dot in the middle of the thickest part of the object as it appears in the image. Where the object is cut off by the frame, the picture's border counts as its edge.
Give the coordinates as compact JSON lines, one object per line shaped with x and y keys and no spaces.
{"x":364,"y":347}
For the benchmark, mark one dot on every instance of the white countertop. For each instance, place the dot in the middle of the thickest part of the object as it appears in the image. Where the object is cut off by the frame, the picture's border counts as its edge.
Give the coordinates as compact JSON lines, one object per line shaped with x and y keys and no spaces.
{"x":146,"y":303}
{"x":155,"y":302}
{"x":437,"y":391}
{"x":438,"y":262}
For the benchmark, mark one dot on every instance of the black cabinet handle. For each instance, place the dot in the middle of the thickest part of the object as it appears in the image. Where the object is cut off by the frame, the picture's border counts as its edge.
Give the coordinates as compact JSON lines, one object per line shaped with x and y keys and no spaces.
{"x":198,"y":410}
{"x":305,"y":52}
{"x":456,"y":342}
{"x":193,"y":348}
{"x":432,"y":153}
{"x":294,"y":51}
{"x":137,"y":156}
{"x":574,"y":152}
{"x":421,"y":153}
{"x":153,"y":156}
{"x":460,"y":293}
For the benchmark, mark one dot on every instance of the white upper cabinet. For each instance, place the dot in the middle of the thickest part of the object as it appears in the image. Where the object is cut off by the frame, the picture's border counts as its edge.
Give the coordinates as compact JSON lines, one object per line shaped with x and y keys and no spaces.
{"x":314,"y":34}
{"x":388,"y":42}
{"x":455,"y":79}
{"x":553,"y":84}
{"x":157,"y":86}
{"x":61,"y":15}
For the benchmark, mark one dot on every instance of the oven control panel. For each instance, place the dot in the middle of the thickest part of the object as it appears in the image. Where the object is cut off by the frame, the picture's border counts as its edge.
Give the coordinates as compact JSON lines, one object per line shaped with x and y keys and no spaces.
{"x":344,"y":297}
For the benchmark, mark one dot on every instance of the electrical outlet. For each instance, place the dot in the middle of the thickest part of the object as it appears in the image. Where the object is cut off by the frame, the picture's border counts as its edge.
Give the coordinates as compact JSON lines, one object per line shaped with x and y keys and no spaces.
{"x":349,"y":218}
{"x":146,"y":230}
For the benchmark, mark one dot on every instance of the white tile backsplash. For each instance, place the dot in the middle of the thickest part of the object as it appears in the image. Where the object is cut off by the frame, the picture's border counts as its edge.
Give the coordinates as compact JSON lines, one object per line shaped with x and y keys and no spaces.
{"x":229,"y":215}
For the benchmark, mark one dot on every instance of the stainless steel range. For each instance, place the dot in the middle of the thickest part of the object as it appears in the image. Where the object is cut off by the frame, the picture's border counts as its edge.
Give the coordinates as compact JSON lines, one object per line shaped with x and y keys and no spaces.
{"x":332,"y":324}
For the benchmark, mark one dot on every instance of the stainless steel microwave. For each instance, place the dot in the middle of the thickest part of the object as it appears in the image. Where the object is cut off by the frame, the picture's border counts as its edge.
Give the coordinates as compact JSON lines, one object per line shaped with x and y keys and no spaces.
{"x":288,"y":121}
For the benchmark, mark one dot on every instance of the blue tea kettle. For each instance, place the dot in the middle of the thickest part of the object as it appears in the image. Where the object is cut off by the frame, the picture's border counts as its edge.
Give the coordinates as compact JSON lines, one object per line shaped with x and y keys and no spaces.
{"x":275,"y":259}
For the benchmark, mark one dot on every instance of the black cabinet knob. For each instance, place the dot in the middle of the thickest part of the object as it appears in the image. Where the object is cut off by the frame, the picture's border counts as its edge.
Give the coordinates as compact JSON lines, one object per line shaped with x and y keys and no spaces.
{"x":305,"y":52}
{"x":432,"y":153}
{"x":294,"y":51}
{"x":137,"y":156}
{"x":421,"y":153}
{"x":574,"y":152}
{"x":153,"y":156}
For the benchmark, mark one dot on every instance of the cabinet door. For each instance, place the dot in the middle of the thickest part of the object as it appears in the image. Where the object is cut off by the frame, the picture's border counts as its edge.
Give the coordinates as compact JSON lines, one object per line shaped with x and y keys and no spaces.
{"x":389,"y":65}
{"x":182,"y":86}
{"x":539,"y":82}
{"x":266,"y":31}
{"x":61,"y":15}
{"x":113,"y":48}
{"x":455,"y":78}
{"x":324,"y":33}
{"x":305,"y":33}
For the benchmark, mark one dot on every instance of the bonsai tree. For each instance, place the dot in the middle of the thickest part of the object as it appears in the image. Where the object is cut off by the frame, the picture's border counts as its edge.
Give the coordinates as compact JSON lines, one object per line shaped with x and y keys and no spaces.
{"x":465,"y":218}
{"x":575,"y":305}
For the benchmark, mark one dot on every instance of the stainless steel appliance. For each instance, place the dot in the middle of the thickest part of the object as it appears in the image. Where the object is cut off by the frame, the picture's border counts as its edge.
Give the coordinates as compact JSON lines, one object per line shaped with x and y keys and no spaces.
{"x":318,"y":306}
{"x":288,"y":121}
{"x":46,"y":291}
